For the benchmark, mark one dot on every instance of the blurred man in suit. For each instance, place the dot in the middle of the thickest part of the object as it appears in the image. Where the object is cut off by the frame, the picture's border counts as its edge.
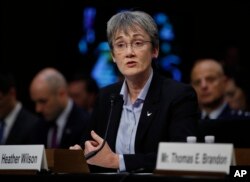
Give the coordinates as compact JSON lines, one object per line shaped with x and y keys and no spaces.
{"x":209,"y":81}
{"x":66,"y":123}
{"x":17,"y":124}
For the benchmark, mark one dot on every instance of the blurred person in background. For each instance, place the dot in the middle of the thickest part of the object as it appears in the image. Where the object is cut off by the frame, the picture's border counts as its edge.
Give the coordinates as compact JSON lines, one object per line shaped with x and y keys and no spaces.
{"x":17,"y":124}
{"x":237,"y":92}
{"x":209,"y":81}
{"x":65,"y":123}
{"x":83,"y":90}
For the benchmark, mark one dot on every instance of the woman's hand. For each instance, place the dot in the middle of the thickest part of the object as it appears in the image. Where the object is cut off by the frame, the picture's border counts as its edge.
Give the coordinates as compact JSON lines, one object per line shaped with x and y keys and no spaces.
{"x":105,"y":157}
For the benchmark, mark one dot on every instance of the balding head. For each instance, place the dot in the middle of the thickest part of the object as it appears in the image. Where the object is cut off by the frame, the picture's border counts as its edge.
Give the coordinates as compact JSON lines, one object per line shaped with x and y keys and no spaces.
{"x":50,"y":77}
{"x":48,"y":90}
{"x":208,"y":79}
{"x":207,"y":64}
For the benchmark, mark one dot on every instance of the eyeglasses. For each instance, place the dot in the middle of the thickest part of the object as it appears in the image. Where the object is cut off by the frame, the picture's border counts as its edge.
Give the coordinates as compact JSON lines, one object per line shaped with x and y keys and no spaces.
{"x":137,"y":45}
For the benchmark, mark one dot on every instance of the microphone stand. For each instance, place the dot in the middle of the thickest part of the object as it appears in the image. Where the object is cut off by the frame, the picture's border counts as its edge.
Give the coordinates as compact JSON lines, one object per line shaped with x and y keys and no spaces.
{"x":93,"y":153}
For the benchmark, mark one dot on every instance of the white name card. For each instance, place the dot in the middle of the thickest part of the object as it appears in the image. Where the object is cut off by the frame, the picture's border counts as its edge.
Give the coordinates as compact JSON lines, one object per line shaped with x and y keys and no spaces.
{"x":23,"y":157}
{"x":201,"y":157}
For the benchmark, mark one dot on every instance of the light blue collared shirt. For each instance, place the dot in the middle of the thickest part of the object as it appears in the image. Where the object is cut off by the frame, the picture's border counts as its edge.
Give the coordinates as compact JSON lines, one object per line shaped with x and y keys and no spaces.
{"x":125,"y":141}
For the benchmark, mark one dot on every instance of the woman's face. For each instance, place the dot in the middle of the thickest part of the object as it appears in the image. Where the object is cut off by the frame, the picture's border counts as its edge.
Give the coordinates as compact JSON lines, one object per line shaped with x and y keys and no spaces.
{"x":133,"y":53}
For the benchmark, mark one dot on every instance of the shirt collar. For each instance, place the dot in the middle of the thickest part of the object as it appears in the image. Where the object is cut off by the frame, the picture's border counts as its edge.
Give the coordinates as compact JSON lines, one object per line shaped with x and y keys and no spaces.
{"x":214,"y":114}
{"x":61,"y":120}
{"x":11,"y":117}
{"x":142,"y":94}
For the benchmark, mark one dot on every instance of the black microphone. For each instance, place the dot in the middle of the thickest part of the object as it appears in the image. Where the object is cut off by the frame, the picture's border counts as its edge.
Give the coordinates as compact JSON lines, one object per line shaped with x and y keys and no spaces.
{"x":93,"y":153}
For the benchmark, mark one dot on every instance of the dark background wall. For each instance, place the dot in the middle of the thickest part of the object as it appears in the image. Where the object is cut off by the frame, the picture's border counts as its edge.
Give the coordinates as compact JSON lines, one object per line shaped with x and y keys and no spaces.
{"x":36,"y":34}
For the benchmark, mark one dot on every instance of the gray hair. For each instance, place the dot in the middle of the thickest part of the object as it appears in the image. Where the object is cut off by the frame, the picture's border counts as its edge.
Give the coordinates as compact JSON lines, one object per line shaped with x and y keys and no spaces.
{"x":53,"y":78}
{"x":126,"y":20}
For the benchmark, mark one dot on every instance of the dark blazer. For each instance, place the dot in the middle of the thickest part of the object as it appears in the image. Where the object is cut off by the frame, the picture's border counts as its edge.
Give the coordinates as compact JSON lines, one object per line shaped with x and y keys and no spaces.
{"x":76,"y":128}
{"x":231,"y":114}
{"x":23,"y":129}
{"x":74,"y":132}
{"x":174,"y":116}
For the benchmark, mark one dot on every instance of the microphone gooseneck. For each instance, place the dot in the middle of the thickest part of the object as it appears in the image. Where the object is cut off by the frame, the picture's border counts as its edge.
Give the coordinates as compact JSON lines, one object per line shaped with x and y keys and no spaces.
{"x":93,"y":153}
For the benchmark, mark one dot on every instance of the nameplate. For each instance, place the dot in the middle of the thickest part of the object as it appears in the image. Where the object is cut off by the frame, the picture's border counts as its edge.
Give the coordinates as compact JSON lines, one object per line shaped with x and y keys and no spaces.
{"x":195,"y":157}
{"x":23,"y":157}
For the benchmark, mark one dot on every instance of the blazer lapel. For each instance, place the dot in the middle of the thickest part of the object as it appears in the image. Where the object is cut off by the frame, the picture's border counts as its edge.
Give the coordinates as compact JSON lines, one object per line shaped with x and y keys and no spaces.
{"x":115,"y":121}
{"x":150,"y":108}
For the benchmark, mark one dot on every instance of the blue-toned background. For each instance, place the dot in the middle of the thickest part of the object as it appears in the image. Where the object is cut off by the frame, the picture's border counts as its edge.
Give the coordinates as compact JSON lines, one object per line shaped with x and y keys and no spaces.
{"x":70,"y":35}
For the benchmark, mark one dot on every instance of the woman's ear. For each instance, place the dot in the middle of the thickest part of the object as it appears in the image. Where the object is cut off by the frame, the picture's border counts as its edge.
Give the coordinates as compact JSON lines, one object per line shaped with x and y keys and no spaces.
{"x":155,"y":53}
{"x":113,"y":59}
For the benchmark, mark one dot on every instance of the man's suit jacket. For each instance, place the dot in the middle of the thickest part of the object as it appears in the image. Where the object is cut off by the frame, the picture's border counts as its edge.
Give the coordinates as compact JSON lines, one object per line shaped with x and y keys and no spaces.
{"x":174,"y":116}
{"x":230,"y":114}
{"x":74,"y":132}
{"x":23,"y":129}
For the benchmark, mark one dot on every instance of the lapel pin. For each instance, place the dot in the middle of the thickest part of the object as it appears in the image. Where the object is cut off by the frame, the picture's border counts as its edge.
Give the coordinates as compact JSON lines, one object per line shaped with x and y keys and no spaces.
{"x":149,"y":113}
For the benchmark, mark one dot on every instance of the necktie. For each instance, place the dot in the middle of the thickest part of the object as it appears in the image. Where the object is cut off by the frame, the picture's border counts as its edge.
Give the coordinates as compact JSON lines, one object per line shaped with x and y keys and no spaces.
{"x":52,"y":134}
{"x":54,"y":137}
{"x":207,"y":117}
{"x":2,"y":125}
